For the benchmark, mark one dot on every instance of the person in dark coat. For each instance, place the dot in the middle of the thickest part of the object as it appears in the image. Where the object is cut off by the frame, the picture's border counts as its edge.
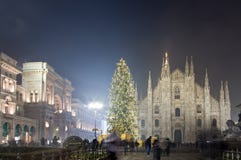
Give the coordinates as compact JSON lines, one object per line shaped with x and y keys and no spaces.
{"x":148,"y":146}
{"x":167,"y":146}
{"x":156,"y":150}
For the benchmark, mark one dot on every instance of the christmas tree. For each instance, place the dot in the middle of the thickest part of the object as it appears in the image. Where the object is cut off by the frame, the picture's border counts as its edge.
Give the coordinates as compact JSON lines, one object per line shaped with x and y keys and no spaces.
{"x":122,"y":113}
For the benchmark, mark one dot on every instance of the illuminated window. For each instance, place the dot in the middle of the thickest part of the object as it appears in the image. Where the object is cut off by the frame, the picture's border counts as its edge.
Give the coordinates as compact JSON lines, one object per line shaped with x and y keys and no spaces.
{"x":5,"y":82}
{"x":199,"y":109}
{"x":142,"y":123}
{"x":199,"y":123}
{"x":177,"y":112}
{"x":177,"y":93}
{"x":11,"y":86}
{"x":46,"y":124}
{"x":18,"y":110}
{"x":156,"y":123}
{"x":214,"y":123}
{"x":6,"y":109}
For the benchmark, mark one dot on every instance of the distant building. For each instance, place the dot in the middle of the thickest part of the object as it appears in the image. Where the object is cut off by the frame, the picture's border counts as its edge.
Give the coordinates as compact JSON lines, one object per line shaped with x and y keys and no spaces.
{"x":180,"y":109}
{"x":85,"y":122}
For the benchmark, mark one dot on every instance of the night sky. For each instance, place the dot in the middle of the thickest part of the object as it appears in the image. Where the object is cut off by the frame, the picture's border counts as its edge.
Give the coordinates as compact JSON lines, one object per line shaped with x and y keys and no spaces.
{"x":83,"y":40}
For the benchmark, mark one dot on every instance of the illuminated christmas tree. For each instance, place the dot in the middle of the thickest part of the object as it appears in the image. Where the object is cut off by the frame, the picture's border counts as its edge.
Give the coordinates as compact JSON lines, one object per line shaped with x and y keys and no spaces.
{"x":122,"y":114}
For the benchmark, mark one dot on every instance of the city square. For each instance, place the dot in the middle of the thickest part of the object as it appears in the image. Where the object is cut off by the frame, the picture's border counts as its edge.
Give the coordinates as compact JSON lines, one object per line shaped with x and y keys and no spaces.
{"x":109,"y":80}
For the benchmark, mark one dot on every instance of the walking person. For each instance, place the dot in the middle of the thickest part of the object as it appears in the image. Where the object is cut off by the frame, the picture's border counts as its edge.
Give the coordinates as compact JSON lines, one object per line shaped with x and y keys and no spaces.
{"x":148,"y":146}
{"x":167,"y":146}
{"x":156,"y":150}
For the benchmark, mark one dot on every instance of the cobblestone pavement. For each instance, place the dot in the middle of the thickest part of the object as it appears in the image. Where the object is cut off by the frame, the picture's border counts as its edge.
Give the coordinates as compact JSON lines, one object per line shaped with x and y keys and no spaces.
{"x":173,"y":156}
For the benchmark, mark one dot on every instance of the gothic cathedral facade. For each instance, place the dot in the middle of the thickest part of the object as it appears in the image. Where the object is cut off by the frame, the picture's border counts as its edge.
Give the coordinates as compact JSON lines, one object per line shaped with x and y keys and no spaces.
{"x":180,"y":109}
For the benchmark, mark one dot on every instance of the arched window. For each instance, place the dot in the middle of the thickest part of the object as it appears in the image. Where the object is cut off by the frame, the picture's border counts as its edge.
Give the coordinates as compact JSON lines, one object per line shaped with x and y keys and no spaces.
{"x":6,"y":129}
{"x":199,"y":123}
{"x":177,"y":112}
{"x":143,"y":137}
{"x":199,"y":109}
{"x":156,"y":109}
{"x":142,"y":123}
{"x":214,"y":123}
{"x":11,"y":86}
{"x":176,"y":93}
{"x":31,"y":96}
{"x":32,"y":131}
{"x":156,"y":123}
{"x":18,"y":130}
{"x":36,"y":96}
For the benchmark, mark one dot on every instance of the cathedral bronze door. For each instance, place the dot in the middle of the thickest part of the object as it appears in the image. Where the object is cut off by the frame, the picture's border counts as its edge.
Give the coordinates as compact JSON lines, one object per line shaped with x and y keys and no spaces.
{"x":178,"y":136}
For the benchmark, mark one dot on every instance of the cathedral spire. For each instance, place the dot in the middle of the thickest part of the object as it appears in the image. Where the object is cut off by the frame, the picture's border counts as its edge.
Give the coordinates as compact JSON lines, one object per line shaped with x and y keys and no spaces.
{"x":186,"y":67}
{"x":226,"y":91}
{"x":149,"y":83}
{"x":206,"y":79}
{"x":165,"y":67}
{"x":191,"y":68}
{"x":166,"y":59}
{"x":221,"y":92}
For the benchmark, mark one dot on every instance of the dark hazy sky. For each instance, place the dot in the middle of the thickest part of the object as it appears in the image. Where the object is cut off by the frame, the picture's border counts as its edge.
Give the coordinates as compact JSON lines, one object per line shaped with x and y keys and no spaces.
{"x":83,"y":40}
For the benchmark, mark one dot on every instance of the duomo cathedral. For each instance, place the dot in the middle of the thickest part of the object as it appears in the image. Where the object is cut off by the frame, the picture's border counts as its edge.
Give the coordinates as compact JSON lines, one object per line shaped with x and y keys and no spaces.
{"x":180,"y":109}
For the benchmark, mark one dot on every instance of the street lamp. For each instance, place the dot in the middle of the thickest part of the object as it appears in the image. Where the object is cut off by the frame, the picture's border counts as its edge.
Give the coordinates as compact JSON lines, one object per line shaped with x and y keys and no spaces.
{"x":95,"y":106}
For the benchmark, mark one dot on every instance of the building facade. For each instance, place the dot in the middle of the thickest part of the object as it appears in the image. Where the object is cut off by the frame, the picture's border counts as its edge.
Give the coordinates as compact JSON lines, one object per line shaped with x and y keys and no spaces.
{"x":180,"y":109}
{"x":14,"y":124}
{"x":36,"y":102}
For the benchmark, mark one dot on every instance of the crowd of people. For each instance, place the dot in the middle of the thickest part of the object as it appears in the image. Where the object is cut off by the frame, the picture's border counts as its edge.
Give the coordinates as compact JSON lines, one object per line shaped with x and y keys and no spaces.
{"x":152,"y":145}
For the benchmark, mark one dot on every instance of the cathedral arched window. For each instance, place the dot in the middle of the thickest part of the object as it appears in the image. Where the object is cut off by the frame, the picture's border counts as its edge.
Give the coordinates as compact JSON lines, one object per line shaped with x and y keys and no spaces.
{"x":143,"y":137}
{"x":214,"y":123}
{"x":156,"y":123}
{"x":177,"y":112}
{"x":31,"y":96}
{"x":142,"y":123}
{"x":176,"y":93}
{"x":199,"y":109}
{"x":36,"y":96}
{"x":199,"y":123}
{"x":156,"y":109}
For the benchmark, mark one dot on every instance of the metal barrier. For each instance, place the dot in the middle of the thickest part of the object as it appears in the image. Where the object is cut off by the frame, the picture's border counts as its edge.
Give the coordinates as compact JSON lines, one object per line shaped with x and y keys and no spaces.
{"x":231,"y":155}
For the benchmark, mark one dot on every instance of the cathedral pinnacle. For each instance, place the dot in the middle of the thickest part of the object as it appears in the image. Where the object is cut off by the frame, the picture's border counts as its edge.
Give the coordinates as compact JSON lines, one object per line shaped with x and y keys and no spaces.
{"x":191,"y":67}
{"x":149,"y":81}
{"x":165,"y":67}
{"x":186,"y":67}
{"x":166,"y":58}
{"x":226,"y":90}
{"x":206,"y":78}
{"x":221,"y":92}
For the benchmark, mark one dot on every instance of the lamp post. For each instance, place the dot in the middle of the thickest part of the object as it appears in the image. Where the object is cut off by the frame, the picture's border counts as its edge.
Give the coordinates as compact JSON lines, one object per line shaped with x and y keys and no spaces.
{"x":95,"y":106}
